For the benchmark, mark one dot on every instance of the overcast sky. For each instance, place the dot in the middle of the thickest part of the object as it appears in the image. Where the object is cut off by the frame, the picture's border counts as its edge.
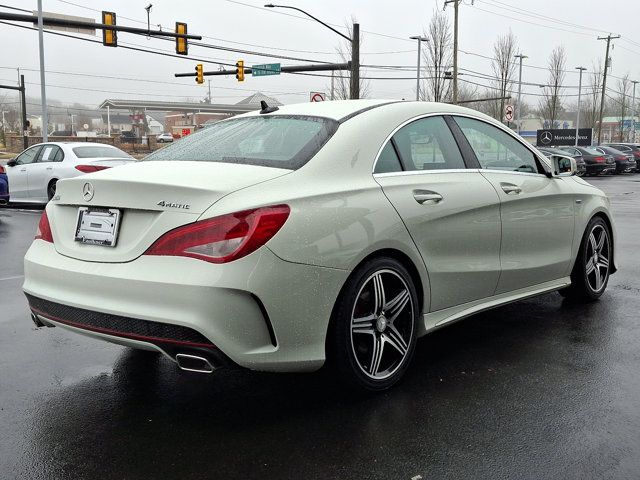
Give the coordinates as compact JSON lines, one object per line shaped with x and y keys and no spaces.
{"x":245,"y":24}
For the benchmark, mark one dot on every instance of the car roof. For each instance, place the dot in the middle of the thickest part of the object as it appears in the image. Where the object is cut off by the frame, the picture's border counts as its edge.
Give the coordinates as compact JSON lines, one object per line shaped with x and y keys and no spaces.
{"x":342,"y":110}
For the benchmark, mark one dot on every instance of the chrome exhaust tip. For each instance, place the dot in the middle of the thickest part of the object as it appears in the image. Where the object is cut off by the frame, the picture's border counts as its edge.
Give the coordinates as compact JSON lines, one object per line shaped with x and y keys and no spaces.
{"x":194,"y":363}
{"x":3,"y":203}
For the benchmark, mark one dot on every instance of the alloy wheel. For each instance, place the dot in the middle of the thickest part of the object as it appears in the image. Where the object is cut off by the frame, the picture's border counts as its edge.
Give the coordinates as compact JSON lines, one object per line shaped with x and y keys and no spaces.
{"x":597,"y":258}
{"x":382,"y":324}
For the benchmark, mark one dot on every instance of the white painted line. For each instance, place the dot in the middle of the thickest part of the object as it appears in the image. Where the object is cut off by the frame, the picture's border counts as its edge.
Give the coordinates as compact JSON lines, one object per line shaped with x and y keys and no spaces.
{"x":12,"y":278}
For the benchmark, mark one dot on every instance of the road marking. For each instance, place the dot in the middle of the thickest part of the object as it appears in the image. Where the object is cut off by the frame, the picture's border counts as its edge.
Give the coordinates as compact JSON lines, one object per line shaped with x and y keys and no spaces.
{"x":12,"y":278}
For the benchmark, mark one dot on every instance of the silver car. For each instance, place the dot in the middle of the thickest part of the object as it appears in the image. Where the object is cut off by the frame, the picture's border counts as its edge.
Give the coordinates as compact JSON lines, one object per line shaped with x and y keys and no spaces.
{"x":335,"y":232}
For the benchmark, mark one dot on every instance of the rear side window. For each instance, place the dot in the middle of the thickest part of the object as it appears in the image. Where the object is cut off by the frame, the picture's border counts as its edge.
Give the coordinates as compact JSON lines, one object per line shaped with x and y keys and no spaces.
{"x":495,"y":149}
{"x":280,"y":141}
{"x":428,"y":144}
{"x":98,"y":151}
{"x":388,"y":160}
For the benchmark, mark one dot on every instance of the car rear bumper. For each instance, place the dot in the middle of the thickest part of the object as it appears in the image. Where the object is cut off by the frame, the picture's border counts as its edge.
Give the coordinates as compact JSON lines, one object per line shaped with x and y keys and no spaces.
{"x":260,"y":312}
{"x":598,"y":168}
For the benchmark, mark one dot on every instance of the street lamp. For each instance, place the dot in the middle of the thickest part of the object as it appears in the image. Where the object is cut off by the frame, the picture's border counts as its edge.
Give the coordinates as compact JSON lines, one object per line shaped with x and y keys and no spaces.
{"x":582,"y":69}
{"x":420,"y":40}
{"x":355,"y":47}
{"x":521,"y":57}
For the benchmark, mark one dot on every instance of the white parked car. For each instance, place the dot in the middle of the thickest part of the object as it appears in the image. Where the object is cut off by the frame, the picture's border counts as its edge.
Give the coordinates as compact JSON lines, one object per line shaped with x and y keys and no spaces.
{"x":335,"y":231}
{"x":33,"y":175}
{"x":164,"y":137}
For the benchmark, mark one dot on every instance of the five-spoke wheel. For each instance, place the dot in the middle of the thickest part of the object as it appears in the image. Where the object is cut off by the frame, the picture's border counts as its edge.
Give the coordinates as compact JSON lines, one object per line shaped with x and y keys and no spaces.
{"x":374,"y":326}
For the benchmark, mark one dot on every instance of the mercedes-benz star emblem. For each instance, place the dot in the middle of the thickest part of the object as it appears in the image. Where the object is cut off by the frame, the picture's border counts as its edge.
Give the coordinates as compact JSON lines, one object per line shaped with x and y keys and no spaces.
{"x":87,"y":191}
{"x":546,"y":137}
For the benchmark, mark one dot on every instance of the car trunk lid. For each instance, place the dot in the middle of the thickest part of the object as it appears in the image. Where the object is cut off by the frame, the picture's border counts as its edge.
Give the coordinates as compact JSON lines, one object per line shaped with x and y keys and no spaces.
{"x":151,"y":197}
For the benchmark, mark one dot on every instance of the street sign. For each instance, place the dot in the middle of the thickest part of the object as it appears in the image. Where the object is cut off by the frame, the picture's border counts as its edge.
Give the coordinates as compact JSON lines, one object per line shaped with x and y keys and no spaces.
{"x":508,"y":112}
{"x":265,"y":69}
{"x":564,"y":137}
{"x":317,"y":97}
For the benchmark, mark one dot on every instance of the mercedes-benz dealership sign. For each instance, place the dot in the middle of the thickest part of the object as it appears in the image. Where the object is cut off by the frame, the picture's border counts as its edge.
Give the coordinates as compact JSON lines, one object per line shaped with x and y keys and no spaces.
{"x":564,"y":136}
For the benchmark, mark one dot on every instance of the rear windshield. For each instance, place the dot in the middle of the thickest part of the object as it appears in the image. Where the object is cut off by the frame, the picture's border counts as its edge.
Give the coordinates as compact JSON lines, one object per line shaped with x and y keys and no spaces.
{"x":592,"y":150}
{"x":281,"y":141}
{"x":94,"y":151}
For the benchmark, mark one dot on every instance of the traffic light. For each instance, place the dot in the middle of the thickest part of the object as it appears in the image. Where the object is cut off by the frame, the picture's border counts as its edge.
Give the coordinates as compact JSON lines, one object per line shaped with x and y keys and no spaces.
{"x":109,"y":37}
{"x":240,"y":70}
{"x":182,"y":48}
{"x":199,"y":74}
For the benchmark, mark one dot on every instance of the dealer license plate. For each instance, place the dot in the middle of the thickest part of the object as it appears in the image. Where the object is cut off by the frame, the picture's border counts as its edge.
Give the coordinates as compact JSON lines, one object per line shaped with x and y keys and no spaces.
{"x":98,"y":226}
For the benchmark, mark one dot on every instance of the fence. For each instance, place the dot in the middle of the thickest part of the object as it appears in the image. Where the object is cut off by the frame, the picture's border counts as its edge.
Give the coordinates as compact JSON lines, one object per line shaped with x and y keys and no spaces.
{"x":14,"y":143}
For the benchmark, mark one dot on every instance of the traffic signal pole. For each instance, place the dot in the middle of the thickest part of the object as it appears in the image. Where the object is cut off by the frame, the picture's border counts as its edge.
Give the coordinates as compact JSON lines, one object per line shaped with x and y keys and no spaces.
{"x":355,"y":62}
{"x":23,"y":105}
{"x":287,"y":69}
{"x":43,"y":88}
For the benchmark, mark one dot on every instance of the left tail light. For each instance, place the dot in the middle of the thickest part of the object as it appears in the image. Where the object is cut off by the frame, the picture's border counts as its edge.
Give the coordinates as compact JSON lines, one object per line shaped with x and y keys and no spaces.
{"x":2,"y":169}
{"x":225,"y":238}
{"x":90,"y":168}
{"x":44,"y":229}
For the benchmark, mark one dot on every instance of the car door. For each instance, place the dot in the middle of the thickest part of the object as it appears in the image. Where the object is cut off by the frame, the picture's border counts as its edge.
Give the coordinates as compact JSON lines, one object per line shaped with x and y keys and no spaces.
{"x":42,"y":171}
{"x":537,"y":212}
{"x":18,"y":175}
{"x":451,"y":212}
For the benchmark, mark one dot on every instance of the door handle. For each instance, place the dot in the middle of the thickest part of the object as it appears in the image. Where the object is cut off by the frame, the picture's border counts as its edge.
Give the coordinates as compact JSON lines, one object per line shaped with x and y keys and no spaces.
{"x":510,"y":188}
{"x":49,"y":168}
{"x":23,"y":170}
{"x":426,"y":196}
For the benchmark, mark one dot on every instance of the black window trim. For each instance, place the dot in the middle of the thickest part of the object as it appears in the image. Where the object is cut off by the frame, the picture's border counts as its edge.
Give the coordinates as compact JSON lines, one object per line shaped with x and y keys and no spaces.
{"x":406,"y":171}
{"x":539,"y":162}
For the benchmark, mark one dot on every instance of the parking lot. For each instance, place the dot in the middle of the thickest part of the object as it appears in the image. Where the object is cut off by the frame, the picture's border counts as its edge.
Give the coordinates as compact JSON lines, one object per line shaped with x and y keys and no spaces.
{"x":542,"y":388}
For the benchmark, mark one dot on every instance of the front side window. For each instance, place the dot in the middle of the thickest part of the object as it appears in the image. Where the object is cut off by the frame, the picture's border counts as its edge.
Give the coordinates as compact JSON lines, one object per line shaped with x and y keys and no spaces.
{"x":495,"y":149}
{"x":280,"y":141}
{"x":28,"y":156}
{"x":428,"y":144}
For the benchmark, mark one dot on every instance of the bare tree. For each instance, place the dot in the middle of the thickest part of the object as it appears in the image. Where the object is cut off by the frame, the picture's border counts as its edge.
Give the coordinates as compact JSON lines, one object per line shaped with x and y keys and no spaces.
{"x":591,"y":100}
{"x":622,"y":103}
{"x":504,"y":69}
{"x":342,"y":78}
{"x":437,"y":58}
{"x":551,"y":101}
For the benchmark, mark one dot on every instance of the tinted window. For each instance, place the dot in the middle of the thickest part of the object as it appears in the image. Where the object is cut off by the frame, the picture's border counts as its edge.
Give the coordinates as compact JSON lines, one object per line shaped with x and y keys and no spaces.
{"x":99,"y":151}
{"x":428,"y":144}
{"x":388,"y":160}
{"x":495,"y":149}
{"x":281,"y":141}
{"x":28,"y":156}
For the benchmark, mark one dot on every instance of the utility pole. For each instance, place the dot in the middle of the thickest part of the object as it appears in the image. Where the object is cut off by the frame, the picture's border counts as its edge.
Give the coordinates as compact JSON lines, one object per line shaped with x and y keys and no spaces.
{"x":355,"y":62}
{"x":209,"y":85}
{"x":456,"y":4}
{"x":582,"y":69}
{"x":608,"y":38}
{"x":333,"y":72}
{"x":633,"y":112}
{"x":518,"y":111}
{"x":43,"y":88}
{"x":420,"y":39}
{"x":23,"y":105}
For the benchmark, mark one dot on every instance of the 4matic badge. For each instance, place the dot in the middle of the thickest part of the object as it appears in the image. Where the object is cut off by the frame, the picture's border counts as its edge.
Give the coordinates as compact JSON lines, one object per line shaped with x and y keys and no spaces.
{"x":184,"y":206}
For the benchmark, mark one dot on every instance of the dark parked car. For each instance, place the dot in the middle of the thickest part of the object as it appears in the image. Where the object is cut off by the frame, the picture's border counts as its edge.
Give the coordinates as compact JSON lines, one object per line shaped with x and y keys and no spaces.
{"x":626,"y":148}
{"x":128,"y":136}
{"x":625,"y":163}
{"x":582,"y":167}
{"x":595,"y":161}
{"x":4,"y":187}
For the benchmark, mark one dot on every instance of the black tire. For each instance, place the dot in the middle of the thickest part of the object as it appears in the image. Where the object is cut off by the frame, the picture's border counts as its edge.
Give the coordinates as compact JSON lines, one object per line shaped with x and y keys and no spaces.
{"x":51,"y":189}
{"x":354,"y":338}
{"x":589,"y":272}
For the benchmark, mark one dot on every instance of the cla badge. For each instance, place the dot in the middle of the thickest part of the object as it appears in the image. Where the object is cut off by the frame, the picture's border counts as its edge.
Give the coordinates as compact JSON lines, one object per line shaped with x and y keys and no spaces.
{"x":87,"y":191}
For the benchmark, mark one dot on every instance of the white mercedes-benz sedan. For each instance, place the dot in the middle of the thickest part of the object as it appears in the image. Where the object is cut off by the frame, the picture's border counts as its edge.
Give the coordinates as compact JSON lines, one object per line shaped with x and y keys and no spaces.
{"x":334,"y":232}
{"x":34,"y":173}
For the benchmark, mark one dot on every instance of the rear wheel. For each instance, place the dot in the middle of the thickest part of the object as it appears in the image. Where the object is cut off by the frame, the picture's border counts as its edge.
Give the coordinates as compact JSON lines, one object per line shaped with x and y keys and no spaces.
{"x":373,"y":332}
{"x":590,"y":273}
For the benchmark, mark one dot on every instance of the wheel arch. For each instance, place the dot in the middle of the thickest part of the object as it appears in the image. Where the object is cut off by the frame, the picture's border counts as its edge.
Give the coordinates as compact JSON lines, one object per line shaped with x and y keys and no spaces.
{"x":612,"y":232}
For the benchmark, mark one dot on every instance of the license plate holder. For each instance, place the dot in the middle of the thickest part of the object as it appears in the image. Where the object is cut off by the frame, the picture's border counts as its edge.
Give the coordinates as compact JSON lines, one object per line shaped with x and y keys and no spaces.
{"x":97,"y":226}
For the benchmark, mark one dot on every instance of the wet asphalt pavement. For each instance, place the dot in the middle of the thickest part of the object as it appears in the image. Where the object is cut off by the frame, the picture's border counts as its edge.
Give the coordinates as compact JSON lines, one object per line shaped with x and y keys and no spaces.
{"x":539,"y":389}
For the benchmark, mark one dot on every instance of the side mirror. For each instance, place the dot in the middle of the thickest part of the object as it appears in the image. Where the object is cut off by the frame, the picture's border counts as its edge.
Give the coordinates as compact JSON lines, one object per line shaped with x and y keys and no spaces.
{"x":563,"y":165}
{"x":12,"y":163}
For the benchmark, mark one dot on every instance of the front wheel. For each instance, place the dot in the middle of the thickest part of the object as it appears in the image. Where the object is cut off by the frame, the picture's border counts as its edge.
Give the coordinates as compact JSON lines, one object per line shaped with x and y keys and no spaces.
{"x":373,"y":332}
{"x":590,"y":274}
{"x":51,"y":189}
